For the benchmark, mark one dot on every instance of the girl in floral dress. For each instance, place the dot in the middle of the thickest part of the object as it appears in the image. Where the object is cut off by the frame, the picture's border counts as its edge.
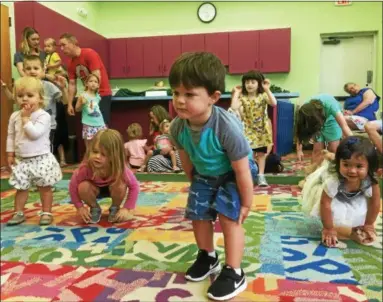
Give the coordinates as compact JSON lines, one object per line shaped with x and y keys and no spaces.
{"x":251,"y":100}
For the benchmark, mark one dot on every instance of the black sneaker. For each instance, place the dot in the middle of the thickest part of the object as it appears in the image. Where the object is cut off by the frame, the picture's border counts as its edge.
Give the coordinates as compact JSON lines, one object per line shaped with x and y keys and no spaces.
{"x":203,"y":267}
{"x":227,"y":285}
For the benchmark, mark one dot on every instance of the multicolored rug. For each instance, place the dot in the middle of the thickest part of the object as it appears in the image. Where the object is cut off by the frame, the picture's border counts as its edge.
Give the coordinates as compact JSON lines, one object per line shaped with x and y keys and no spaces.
{"x":144,"y":259}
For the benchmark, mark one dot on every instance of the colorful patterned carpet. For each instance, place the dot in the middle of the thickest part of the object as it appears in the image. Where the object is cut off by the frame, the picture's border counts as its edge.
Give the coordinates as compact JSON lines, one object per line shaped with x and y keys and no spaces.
{"x":144,"y":258}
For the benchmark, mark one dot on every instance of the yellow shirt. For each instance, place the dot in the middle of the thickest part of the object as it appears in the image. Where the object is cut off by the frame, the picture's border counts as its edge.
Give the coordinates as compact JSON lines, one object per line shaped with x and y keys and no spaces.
{"x":52,"y":59}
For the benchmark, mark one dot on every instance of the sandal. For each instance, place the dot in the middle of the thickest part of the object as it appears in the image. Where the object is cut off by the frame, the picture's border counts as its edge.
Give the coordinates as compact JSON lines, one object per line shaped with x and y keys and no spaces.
{"x":46,"y":218}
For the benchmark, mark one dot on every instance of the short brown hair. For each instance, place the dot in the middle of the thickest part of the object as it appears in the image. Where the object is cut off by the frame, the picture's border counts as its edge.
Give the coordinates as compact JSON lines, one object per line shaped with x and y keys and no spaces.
{"x":71,"y":38}
{"x":31,"y":58}
{"x":198,"y":69}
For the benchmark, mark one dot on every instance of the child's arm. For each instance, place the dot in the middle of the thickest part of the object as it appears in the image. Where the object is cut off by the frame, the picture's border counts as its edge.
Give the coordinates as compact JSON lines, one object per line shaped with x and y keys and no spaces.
{"x":373,"y":209}
{"x":134,"y":189}
{"x":329,"y":234}
{"x":235,"y":98}
{"x":35,"y":130}
{"x":186,"y":163}
{"x":80,"y":102}
{"x":56,"y":61}
{"x":270,"y":96}
{"x":79,"y":176}
{"x":244,"y":185}
{"x":343,"y":124}
{"x":62,"y":83}
{"x":7,"y":92}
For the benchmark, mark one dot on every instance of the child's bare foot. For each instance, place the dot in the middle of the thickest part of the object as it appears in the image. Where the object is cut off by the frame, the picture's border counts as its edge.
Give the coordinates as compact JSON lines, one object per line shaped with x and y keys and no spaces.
{"x":142,"y":169}
{"x":359,"y":235}
{"x":63,"y":163}
{"x":176,"y":169}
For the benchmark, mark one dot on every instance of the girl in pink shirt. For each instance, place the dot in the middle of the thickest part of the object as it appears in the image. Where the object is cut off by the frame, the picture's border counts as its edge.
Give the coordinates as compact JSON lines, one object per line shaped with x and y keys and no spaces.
{"x":136,"y":146}
{"x":104,"y":173}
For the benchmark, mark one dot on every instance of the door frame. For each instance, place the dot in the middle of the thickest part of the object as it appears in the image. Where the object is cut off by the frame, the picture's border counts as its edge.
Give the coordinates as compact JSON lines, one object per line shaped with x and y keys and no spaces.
{"x":346,"y":35}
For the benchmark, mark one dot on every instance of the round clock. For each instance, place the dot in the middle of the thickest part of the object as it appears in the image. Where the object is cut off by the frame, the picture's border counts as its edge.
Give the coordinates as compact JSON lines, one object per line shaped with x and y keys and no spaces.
{"x":206,"y":12}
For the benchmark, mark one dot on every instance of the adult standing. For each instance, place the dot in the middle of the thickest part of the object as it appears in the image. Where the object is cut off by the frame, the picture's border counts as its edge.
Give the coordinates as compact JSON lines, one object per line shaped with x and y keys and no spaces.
{"x":30,"y":45}
{"x":84,"y":61}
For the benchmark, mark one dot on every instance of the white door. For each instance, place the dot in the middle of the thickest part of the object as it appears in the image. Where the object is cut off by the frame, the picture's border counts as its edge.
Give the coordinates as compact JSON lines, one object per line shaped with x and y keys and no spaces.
{"x":349,"y":61}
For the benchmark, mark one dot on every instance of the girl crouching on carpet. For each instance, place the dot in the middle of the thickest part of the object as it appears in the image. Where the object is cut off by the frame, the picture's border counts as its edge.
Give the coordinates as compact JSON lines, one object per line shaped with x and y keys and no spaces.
{"x":350,"y":197}
{"x":104,"y":173}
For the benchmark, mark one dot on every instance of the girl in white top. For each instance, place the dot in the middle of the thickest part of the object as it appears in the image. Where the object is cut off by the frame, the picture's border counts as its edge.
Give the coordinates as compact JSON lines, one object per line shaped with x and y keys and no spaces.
{"x":28,"y":150}
{"x":345,"y":194}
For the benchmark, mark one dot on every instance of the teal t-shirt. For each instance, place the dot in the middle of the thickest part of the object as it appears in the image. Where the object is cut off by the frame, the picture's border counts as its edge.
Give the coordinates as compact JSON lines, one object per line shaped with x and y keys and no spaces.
{"x":91,"y":114}
{"x":330,"y":105}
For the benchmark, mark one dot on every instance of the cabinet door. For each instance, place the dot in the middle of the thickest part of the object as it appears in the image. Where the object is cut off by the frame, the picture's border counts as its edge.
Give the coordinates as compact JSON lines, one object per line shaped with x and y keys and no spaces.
{"x":243,"y":51}
{"x":171,"y":49}
{"x":190,"y":43}
{"x":134,"y":57}
{"x":117,"y":58}
{"x":218,"y":44}
{"x":152,"y":56}
{"x":23,"y":17}
{"x":274,"y":50}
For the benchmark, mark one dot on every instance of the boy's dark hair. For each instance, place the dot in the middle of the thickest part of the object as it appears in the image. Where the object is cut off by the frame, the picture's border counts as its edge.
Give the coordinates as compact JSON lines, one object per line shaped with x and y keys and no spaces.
{"x":253,"y":75}
{"x":359,"y":146}
{"x":31,"y":58}
{"x":274,"y":164}
{"x":198,"y":69}
{"x":310,"y":119}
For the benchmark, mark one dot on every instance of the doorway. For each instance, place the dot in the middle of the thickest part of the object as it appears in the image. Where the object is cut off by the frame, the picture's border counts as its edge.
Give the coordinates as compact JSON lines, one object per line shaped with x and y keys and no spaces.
{"x":346,"y":58}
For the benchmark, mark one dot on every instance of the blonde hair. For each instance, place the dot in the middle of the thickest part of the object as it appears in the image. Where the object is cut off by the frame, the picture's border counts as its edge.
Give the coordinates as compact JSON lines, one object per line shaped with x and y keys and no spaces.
{"x":24,"y":45}
{"x":88,"y":78}
{"x":50,"y":41}
{"x":134,"y":131}
{"x":30,"y":83}
{"x":162,"y":124}
{"x":111,"y":141}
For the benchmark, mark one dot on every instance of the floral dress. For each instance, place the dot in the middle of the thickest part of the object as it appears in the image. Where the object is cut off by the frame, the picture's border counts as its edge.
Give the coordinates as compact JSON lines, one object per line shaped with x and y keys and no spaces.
{"x":257,"y":127}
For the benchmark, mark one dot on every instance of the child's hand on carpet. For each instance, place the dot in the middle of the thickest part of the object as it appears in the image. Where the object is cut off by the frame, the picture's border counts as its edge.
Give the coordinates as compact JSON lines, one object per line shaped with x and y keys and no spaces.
{"x":329,"y":237}
{"x":84,"y":214}
{"x":123,"y":215}
{"x":244,"y":212}
{"x":370,"y":232}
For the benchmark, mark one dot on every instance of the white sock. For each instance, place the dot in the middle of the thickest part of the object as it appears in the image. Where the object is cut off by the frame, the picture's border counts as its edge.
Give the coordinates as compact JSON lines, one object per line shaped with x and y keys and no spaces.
{"x":213,"y":254}
{"x":260,"y":174}
{"x":238,"y":271}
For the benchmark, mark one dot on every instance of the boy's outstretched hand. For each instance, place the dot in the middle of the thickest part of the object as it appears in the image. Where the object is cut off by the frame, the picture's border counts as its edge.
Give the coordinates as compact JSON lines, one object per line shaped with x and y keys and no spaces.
{"x":243,"y":213}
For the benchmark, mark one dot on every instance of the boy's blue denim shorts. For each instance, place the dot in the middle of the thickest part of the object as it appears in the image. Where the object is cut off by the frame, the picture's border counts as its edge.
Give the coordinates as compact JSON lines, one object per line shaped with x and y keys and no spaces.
{"x":212,"y":195}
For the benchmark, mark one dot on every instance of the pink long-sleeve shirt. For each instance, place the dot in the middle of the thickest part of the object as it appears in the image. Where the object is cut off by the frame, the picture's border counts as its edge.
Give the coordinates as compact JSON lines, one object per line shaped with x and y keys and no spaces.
{"x":84,"y":173}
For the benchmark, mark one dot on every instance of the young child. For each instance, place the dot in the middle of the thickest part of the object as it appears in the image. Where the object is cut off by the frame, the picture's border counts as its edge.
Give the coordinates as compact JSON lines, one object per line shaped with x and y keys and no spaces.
{"x":251,"y":100}
{"x":104,"y":173}
{"x":163,"y":145}
{"x":28,"y":150}
{"x":320,"y":120}
{"x":33,"y":67}
{"x":157,"y":114}
{"x":218,"y":161}
{"x":88,"y":103}
{"x":52,"y":59}
{"x":349,"y":200}
{"x":136,"y":146}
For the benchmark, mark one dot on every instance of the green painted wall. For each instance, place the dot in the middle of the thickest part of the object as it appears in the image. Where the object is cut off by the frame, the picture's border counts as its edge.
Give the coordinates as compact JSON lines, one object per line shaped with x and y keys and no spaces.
{"x":307,"y":21}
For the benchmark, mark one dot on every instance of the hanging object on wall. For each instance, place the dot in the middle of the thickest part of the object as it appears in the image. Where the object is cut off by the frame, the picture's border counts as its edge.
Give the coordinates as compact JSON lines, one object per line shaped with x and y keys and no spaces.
{"x":206,"y":12}
{"x":82,"y":12}
{"x":343,"y":2}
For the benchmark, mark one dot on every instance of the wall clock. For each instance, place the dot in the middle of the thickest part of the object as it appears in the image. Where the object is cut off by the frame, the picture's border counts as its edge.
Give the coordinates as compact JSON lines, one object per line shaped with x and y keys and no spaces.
{"x":206,"y":12}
